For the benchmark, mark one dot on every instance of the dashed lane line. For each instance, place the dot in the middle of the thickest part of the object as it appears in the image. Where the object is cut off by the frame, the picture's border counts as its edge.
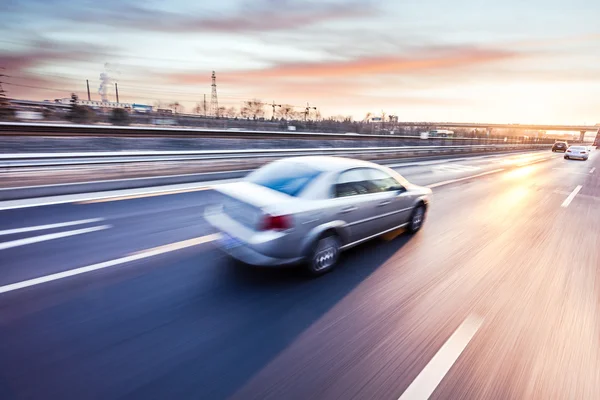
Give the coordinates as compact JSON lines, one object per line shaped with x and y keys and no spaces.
{"x":107,"y":264}
{"x":430,"y":377}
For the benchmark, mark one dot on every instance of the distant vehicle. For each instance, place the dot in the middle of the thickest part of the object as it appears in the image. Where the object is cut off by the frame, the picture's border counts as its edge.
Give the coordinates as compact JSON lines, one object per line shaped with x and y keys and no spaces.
{"x":580,"y":152}
{"x":441,"y":133}
{"x":29,"y":115}
{"x":141,"y":108}
{"x":560,"y":146}
{"x":309,"y":209}
{"x":164,"y":111}
{"x":164,"y":121}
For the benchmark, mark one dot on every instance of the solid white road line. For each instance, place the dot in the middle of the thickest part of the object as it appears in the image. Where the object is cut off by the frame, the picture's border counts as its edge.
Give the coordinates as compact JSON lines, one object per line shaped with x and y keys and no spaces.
{"x":592,"y":170}
{"x":75,"y":198}
{"x":50,"y":236}
{"x":433,"y":373}
{"x":50,"y":226}
{"x":569,"y":199}
{"x":94,"y":267}
{"x":570,"y":169}
{"x":438,"y":184}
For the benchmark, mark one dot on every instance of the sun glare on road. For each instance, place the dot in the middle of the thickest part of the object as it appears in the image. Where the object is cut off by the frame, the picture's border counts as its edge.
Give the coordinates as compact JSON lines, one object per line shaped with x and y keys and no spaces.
{"x":520,"y":173}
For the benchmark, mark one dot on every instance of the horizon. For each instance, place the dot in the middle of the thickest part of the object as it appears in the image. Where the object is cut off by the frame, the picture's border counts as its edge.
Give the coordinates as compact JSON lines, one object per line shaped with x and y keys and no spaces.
{"x":462,"y":62}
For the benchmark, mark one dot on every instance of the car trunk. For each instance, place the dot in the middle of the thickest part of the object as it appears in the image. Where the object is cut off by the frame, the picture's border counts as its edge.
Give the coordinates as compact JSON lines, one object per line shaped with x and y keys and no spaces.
{"x":246,"y":202}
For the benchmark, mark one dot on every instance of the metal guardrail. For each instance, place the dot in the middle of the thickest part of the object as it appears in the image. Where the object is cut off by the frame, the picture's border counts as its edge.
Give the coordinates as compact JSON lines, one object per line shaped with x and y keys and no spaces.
{"x":90,"y":158}
{"x":40,"y":129}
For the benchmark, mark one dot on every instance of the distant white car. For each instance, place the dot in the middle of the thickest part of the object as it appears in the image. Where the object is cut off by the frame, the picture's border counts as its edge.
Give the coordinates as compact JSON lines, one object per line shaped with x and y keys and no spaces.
{"x":578,"y":152}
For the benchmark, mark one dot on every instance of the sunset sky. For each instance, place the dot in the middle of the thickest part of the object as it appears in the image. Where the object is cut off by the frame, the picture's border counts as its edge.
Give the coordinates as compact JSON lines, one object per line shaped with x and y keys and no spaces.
{"x":514,"y":61}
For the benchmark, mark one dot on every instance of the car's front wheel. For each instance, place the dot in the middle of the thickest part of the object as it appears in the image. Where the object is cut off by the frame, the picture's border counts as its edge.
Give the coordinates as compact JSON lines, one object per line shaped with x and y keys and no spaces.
{"x":416,"y":219}
{"x":324,"y":255}
{"x":566,"y":157}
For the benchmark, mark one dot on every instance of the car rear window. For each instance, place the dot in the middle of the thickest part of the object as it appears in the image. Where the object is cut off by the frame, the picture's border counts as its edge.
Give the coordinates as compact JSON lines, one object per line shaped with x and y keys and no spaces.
{"x":285,"y":177}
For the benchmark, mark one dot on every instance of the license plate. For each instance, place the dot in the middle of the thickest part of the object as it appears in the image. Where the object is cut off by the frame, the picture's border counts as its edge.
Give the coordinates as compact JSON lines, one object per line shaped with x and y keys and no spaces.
{"x":229,"y":242}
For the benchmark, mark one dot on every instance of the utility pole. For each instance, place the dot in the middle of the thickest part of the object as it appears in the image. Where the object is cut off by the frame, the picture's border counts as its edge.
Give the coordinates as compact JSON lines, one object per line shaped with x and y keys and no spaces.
{"x":204,"y":109}
{"x":87,"y":82}
{"x":274,"y":105}
{"x":214,"y":102}
{"x":307,"y":110}
{"x":117,"y":91}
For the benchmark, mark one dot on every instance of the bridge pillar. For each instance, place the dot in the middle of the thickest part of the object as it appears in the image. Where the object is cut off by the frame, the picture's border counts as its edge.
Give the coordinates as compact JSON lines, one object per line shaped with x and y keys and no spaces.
{"x":582,"y":136}
{"x":488,"y":131}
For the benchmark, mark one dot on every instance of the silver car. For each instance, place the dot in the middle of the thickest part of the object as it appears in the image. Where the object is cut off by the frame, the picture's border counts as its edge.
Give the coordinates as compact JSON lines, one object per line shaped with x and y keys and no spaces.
{"x":580,"y":152}
{"x":309,"y":209}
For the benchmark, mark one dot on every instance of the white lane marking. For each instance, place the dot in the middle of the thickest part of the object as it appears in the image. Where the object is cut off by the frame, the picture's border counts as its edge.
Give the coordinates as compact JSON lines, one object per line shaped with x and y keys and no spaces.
{"x":433,"y":373}
{"x":438,"y":184}
{"x":50,"y":226}
{"x":455,"y":167}
{"x":571,"y":171}
{"x":582,"y":196}
{"x":94,"y":267}
{"x":50,"y":236}
{"x":569,"y":199}
{"x":75,"y":198}
{"x":592,"y":170}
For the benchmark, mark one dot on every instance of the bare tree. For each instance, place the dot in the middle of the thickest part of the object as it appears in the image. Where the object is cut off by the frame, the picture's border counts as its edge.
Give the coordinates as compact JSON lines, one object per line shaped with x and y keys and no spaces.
{"x":254,"y":108}
{"x":200,"y":108}
{"x":285,"y":111}
{"x":368,"y":117}
{"x":176,"y":107}
{"x":222,"y":112}
{"x":230,"y":112}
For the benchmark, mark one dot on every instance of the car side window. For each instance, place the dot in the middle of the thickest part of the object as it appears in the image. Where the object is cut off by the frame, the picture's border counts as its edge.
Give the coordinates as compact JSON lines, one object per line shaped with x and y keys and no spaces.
{"x":353,"y":182}
{"x":382,"y":181}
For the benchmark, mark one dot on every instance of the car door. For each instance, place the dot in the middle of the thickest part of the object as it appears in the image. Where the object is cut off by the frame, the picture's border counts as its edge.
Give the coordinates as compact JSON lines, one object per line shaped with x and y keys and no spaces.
{"x":393,"y":204}
{"x":353,"y":203}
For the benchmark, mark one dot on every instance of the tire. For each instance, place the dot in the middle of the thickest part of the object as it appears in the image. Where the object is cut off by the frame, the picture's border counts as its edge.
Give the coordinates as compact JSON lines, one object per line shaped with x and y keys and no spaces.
{"x":566,"y":157}
{"x":324,"y":255}
{"x":416,"y":219}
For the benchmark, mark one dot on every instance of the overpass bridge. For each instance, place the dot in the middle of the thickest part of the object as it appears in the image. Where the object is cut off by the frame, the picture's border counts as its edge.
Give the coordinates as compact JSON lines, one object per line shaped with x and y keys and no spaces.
{"x":582,"y":129}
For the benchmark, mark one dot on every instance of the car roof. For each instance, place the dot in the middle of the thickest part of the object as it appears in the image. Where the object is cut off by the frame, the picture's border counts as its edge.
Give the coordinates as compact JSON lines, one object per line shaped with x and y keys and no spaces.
{"x":330,"y":164}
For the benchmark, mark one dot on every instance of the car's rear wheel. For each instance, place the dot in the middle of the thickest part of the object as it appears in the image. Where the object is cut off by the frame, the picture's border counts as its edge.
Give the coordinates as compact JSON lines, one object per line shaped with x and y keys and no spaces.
{"x":566,"y":157}
{"x":324,"y":255}
{"x":416,"y":219}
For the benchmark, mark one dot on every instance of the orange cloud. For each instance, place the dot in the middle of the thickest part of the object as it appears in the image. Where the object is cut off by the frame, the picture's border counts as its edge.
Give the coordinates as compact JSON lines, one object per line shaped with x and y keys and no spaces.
{"x":361,"y":67}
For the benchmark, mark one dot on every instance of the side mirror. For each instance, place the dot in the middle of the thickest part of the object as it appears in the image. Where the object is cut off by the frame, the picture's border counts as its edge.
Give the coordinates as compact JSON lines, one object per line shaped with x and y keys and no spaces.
{"x":400,"y":190}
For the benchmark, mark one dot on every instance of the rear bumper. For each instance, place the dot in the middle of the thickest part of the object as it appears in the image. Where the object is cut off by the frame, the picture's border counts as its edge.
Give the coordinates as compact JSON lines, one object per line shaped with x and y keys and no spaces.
{"x":240,"y":249}
{"x":577,"y":157}
{"x":248,"y":255}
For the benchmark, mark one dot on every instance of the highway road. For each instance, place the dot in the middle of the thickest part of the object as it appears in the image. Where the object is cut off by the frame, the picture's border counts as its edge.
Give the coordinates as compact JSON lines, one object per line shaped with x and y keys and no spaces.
{"x":124,"y":295}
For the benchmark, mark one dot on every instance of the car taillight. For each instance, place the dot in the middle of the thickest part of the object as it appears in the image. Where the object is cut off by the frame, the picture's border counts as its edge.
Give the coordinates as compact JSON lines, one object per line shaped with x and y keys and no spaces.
{"x":583,"y":152}
{"x":276,"y":223}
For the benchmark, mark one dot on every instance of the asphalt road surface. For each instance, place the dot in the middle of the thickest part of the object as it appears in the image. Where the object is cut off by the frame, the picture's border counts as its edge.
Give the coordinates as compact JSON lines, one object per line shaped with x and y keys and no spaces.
{"x":496,"y":298}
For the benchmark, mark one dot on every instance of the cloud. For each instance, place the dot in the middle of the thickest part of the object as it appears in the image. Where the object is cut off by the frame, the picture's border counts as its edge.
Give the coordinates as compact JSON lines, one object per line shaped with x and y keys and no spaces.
{"x":249,"y":16}
{"x":40,"y":52}
{"x":373,"y":66}
{"x":21,"y":67}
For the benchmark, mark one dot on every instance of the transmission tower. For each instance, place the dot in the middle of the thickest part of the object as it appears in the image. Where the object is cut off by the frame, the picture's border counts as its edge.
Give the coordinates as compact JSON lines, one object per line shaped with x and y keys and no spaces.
{"x":214,"y":102}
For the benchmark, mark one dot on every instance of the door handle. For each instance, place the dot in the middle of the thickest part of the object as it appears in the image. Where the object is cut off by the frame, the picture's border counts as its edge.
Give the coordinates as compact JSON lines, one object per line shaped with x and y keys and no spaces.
{"x":348,"y":209}
{"x":384,"y":203}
